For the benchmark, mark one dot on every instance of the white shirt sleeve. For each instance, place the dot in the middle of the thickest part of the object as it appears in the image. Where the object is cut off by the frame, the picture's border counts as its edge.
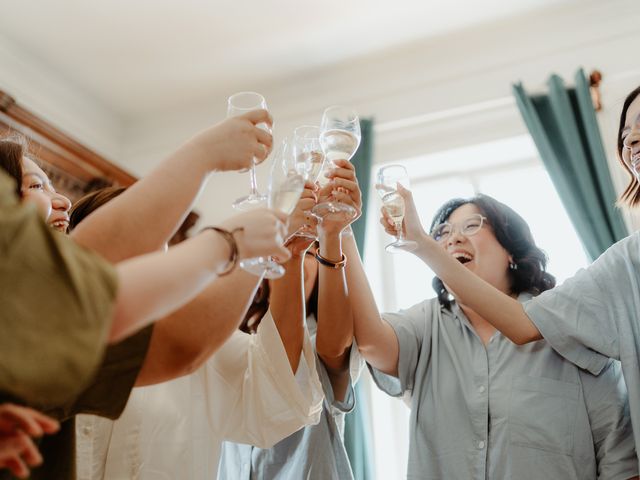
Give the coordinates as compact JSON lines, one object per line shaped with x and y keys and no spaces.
{"x":251,"y":393}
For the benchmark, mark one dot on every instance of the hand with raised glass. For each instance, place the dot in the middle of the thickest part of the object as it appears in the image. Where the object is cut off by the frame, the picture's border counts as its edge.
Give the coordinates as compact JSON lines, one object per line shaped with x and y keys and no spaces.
{"x":234,"y":143}
{"x":343,"y":187}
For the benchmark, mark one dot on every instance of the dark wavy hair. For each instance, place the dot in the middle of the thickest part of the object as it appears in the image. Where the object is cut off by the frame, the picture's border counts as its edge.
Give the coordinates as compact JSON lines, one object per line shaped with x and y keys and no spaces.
{"x":631,"y":194}
{"x":513,"y":233}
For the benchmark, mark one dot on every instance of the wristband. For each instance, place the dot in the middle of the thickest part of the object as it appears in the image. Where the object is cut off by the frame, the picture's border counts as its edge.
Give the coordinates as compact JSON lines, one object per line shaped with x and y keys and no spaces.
{"x":233,"y":248}
{"x":328,"y":263}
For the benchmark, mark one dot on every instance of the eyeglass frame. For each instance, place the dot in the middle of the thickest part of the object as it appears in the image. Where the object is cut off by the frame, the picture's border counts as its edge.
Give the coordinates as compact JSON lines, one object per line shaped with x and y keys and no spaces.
{"x":456,"y":227}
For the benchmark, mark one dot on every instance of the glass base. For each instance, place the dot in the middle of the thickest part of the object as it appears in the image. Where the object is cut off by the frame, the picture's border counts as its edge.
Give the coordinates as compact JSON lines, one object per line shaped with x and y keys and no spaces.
{"x":306,"y":231}
{"x":262,"y":266}
{"x":250,"y":202}
{"x":325,"y":209}
{"x":401,"y":246}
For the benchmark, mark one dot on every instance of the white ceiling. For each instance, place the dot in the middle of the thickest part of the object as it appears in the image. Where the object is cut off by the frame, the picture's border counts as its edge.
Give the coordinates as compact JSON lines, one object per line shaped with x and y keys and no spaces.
{"x":142,"y":56}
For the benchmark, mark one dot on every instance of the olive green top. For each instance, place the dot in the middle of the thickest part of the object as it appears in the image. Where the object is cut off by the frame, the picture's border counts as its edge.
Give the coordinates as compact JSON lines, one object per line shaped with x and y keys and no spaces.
{"x":56,"y":303}
{"x":106,"y":396}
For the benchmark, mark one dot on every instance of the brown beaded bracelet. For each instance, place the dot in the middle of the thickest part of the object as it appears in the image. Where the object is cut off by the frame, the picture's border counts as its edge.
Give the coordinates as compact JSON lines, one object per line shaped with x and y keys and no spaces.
{"x":328,"y":263}
{"x":233,"y":247}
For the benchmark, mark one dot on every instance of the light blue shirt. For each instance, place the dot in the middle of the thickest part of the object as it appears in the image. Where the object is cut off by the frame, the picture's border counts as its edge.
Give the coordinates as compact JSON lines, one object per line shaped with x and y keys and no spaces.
{"x":315,"y":452}
{"x":596,"y":313}
{"x":503,"y":411}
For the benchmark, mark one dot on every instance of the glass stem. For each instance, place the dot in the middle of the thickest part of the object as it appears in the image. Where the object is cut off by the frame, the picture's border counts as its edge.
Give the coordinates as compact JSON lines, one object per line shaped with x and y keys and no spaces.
{"x":254,"y":183}
{"x":400,"y":235}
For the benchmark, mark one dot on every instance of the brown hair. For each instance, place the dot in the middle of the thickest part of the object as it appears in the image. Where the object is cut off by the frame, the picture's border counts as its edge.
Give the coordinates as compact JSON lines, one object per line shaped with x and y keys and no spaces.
{"x":12,"y":149}
{"x":631,"y":194}
{"x":91,"y":202}
{"x":260,"y":305}
{"x":513,"y":233}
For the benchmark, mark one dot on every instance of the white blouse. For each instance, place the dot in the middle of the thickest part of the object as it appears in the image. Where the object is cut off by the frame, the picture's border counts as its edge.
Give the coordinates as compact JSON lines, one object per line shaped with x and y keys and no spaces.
{"x":246,"y":393}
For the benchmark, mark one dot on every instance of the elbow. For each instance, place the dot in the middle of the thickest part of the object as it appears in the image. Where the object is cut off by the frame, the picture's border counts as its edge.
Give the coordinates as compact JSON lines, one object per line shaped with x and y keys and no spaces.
{"x":333,"y":351}
{"x":522,"y":338}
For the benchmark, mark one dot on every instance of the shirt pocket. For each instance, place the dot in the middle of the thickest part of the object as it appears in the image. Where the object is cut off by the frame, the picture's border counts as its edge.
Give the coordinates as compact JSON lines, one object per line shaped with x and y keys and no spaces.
{"x":542,"y":413}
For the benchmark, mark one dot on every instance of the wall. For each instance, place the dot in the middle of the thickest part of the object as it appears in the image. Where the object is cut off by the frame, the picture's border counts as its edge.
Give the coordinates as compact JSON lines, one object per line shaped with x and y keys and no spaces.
{"x":440,"y":94}
{"x":43,"y":90}
{"x":434,"y":95}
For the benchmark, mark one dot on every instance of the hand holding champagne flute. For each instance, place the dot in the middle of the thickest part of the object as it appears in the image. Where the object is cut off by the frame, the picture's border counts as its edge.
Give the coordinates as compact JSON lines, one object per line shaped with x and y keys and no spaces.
{"x":239,"y":104}
{"x":339,"y":139}
{"x":310,"y":161}
{"x":387,"y":186}
{"x":285,"y":188}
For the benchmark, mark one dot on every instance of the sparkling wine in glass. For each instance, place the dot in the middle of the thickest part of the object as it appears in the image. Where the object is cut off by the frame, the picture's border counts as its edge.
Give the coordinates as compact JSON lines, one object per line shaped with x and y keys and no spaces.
{"x":239,"y":104}
{"x":310,"y":161}
{"x":387,"y":186}
{"x":285,"y":187}
{"x":339,"y":139}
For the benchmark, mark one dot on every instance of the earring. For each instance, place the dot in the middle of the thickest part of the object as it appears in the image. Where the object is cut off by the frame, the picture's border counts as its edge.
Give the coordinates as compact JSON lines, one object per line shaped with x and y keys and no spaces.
{"x":513,"y":266}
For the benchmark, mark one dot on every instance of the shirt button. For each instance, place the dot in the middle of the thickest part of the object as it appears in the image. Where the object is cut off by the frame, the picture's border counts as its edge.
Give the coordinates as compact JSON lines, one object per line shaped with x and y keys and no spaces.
{"x":480,"y":445}
{"x":86,"y":430}
{"x":481,"y":389}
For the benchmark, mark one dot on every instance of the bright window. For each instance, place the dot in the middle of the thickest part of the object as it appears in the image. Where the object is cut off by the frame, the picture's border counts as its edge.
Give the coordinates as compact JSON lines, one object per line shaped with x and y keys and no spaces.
{"x":508,"y":170}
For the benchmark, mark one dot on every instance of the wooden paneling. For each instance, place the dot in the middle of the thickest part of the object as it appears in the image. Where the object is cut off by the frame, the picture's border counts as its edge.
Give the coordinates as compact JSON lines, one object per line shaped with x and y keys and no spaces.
{"x":73,"y":168}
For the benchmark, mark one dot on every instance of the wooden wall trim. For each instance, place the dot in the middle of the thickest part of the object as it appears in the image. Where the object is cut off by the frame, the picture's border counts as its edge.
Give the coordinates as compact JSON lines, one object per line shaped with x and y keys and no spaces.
{"x":21,"y":120}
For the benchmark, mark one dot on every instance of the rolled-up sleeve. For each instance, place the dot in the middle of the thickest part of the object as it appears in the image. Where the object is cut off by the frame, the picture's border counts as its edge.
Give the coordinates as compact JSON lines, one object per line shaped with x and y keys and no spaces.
{"x":252,"y":394}
{"x":607,"y":405}
{"x":577,"y":318}
{"x":56,"y":302}
{"x":412,"y":328}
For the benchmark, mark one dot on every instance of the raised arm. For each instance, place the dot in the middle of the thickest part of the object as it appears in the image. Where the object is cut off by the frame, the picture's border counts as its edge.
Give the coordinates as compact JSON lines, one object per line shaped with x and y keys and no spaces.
{"x":144,"y":218}
{"x":154,"y":285}
{"x":502,"y":311}
{"x":334,"y":337}
{"x":287,"y":297}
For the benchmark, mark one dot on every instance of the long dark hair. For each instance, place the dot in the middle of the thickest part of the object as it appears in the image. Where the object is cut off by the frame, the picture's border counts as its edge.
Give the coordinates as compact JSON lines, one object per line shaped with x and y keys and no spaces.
{"x":260,"y":305}
{"x":631,"y":194}
{"x":513,"y":233}
{"x":12,"y":150}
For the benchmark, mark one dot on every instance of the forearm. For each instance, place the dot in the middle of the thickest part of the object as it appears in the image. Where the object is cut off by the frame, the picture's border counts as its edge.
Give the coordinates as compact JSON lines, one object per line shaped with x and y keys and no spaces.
{"x":502,"y":311}
{"x":184,"y":340}
{"x":147,"y":214}
{"x":376,"y":339}
{"x":286,"y":303}
{"x":335,"y":319}
{"x":154,"y":285}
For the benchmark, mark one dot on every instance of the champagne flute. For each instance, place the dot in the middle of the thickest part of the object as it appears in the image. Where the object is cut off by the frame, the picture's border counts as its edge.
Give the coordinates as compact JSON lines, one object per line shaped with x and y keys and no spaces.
{"x":387,"y":182}
{"x":309,"y":159}
{"x":239,"y":104}
{"x":339,"y":139}
{"x":285,"y":187}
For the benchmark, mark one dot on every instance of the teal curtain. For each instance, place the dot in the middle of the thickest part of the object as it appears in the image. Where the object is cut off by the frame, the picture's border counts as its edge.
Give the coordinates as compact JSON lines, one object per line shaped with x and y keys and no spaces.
{"x":357,"y":431}
{"x":564,"y":128}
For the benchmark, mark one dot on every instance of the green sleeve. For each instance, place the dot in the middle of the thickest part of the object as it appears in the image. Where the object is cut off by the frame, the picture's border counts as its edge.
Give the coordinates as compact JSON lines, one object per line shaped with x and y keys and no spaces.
{"x":56,"y":303}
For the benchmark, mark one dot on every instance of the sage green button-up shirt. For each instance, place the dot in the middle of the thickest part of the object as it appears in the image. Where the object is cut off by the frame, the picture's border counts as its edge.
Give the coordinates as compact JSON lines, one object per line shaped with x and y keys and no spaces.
{"x":596,"y":314}
{"x":503,"y":411}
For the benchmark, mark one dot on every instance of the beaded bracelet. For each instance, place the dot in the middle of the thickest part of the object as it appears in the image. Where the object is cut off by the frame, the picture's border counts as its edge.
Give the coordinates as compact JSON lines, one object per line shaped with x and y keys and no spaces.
{"x":233,"y":247}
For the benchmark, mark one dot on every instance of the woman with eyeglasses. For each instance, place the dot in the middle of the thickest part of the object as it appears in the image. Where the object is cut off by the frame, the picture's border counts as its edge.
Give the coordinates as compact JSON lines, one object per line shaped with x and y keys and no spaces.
{"x":481,"y":406}
{"x":591,"y":317}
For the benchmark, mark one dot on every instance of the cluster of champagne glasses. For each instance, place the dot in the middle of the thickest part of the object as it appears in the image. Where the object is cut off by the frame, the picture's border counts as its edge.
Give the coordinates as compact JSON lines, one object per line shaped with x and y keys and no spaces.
{"x":311,"y":151}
